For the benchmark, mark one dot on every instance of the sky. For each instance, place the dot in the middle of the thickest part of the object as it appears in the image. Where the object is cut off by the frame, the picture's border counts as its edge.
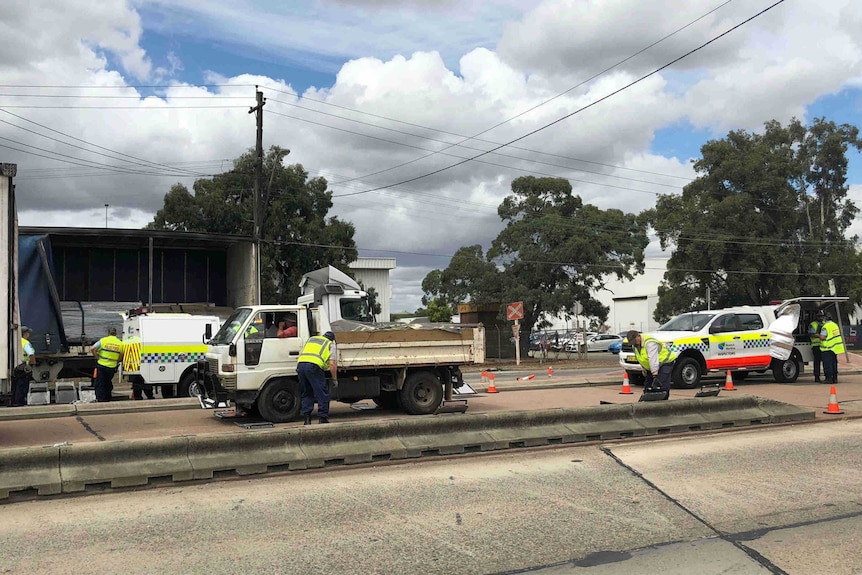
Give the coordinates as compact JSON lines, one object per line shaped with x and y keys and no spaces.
{"x":112,"y":102}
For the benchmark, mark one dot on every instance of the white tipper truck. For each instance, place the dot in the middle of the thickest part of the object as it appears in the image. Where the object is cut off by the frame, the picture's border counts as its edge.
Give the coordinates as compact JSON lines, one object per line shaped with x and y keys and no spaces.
{"x":413,"y":367}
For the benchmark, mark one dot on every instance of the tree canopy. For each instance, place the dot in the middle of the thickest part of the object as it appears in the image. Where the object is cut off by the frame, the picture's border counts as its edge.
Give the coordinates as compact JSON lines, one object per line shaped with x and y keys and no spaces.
{"x":554,"y":254}
{"x":764,"y":220}
{"x":297,"y":235}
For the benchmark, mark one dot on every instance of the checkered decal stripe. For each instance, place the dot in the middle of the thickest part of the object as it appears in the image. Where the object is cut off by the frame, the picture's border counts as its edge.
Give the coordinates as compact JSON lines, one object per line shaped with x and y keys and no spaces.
{"x":755,"y":343}
{"x":172,"y":357}
{"x":701,"y":347}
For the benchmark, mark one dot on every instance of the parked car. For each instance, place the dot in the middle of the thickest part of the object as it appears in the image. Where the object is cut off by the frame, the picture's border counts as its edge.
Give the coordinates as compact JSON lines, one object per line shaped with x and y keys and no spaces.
{"x":601,"y":341}
{"x":615,"y":347}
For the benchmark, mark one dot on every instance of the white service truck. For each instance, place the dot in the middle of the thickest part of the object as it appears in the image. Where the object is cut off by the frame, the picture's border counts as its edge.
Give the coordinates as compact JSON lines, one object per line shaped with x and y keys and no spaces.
{"x":734,"y":339}
{"x":413,"y":367}
{"x":162,"y":349}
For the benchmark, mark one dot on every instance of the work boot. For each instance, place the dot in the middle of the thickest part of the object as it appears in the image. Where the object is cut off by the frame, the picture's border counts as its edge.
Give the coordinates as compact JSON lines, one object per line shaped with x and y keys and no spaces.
{"x":307,"y":419}
{"x":324,"y":420}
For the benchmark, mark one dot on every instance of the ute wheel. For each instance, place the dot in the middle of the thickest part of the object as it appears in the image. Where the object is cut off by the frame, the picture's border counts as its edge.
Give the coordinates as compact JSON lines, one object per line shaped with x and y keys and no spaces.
{"x":785,"y":371}
{"x":686,"y":373}
{"x":421,"y":394}
{"x":189,"y":387}
{"x":279,"y":401}
{"x":387,"y":400}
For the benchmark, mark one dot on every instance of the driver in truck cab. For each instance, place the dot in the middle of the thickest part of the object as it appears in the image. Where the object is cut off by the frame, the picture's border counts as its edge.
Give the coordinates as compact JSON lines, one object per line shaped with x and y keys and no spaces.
{"x":655,"y":359}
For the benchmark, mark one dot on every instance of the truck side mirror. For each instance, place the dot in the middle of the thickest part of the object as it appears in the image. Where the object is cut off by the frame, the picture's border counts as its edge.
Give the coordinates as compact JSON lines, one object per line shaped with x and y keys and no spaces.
{"x":231,"y":350}
{"x":208,"y":332}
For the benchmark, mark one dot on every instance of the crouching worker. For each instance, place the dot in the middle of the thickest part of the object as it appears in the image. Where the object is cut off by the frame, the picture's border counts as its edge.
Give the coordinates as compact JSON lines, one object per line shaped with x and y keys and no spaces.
{"x":656,"y":361}
{"x":317,"y":355}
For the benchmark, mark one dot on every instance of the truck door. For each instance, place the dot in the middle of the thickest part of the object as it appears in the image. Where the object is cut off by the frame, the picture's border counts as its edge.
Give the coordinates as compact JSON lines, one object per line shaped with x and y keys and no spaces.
{"x":265,"y":350}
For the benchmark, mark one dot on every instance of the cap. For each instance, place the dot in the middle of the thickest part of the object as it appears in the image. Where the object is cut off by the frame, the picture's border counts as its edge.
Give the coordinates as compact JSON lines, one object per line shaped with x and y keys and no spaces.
{"x":290,"y":317}
{"x":819,"y":313}
{"x":329,"y":335}
{"x":23,"y":329}
{"x":631,"y":335}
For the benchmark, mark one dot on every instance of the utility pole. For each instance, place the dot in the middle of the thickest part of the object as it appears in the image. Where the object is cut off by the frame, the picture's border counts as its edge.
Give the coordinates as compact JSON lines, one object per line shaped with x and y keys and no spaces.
{"x":258,"y":176}
{"x":106,"y":215}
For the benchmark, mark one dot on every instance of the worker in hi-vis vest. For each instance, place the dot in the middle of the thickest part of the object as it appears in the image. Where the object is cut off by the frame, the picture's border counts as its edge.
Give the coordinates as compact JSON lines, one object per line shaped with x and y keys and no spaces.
{"x":655,"y":359}
{"x":317,"y":355}
{"x":831,"y":344}
{"x":814,"y":331}
{"x":23,"y":372}
{"x":108,"y":352}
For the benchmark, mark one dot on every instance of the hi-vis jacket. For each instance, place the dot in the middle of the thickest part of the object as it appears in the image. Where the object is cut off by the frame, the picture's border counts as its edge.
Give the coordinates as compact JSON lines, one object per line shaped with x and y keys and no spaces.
{"x":832,"y":341}
{"x":664,"y":356}
{"x":317,"y":350}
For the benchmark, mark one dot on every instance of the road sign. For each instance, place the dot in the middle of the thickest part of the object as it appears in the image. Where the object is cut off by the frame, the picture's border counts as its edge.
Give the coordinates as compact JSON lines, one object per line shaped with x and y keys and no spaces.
{"x":515,"y":310}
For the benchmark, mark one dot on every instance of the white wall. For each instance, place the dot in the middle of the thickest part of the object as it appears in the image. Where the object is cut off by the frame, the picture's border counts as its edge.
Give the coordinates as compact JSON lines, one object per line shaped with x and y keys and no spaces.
{"x":374,"y":273}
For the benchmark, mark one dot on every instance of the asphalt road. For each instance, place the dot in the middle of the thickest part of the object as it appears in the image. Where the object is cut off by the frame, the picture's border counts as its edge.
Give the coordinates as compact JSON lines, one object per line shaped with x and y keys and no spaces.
{"x":778,"y":500}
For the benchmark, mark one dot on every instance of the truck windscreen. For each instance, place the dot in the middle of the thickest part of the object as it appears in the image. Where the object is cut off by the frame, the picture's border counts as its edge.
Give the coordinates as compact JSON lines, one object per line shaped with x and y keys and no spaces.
{"x":229,"y":328}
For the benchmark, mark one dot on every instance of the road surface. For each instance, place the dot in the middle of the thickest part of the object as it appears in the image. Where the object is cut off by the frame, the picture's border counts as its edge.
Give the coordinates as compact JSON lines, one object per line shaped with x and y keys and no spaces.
{"x":777,"y":500}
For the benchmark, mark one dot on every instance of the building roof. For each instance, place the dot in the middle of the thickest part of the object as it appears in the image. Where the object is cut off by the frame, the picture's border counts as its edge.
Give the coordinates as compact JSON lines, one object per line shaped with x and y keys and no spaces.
{"x":135,"y":237}
{"x":372,"y":264}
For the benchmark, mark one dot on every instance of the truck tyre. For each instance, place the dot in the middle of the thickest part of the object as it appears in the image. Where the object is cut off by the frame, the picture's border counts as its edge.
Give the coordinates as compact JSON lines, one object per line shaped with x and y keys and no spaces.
{"x":188,"y":387}
{"x":279,"y":401}
{"x":387,"y":400}
{"x":686,"y":373}
{"x":421,"y":394}
{"x":786,"y":371}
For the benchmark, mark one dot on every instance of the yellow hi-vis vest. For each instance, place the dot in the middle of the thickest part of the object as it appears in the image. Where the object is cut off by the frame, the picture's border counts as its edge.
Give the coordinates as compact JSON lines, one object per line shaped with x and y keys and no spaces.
{"x":110,"y":350}
{"x":833,"y":341}
{"x":665,"y":356}
{"x":317,"y":351}
{"x":815,"y":328}
{"x":24,"y":343}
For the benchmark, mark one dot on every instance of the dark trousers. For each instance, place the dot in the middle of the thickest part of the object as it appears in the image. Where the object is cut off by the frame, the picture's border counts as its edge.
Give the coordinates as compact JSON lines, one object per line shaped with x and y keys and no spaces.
{"x":140,"y":389}
{"x":662,"y":382}
{"x":830,"y":366}
{"x":20,"y":389}
{"x":818,"y":359}
{"x":102,"y":385}
{"x":313,"y":386}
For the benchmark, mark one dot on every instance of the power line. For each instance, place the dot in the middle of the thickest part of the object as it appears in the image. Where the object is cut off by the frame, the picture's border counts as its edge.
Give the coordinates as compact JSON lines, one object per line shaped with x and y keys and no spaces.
{"x":593,"y":77}
{"x":579,"y":110}
{"x":454,"y":145}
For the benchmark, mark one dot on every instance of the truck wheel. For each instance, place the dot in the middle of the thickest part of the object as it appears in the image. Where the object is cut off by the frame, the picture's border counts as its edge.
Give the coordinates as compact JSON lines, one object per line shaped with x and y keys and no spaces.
{"x":189,"y":387}
{"x":785,"y":371}
{"x":421,"y":394}
{"x":279,"y":401}
{"x":686,"y":373}
{"x":387,"y":400}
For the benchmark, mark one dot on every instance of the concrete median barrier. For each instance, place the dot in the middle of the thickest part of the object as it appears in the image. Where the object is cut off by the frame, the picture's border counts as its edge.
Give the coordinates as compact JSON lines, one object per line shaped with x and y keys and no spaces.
{"x":658,"y":417}
{"x":124,"y":463}
{"x":514,"y":429}
{"x":447,"y":434}
{"x":784,"y":412}
{"x":72,"y":468}
{"x":352,"y":443}
{"x":260,"y":452}
{"x":36,"y":412}
{"x":113,"y":407}
{"x":603,"y":422}
{"x":30,"y":468}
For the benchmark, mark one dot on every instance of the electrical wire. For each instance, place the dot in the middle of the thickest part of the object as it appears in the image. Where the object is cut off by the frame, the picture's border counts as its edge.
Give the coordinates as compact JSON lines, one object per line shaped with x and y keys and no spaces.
{"x":579,"y":110}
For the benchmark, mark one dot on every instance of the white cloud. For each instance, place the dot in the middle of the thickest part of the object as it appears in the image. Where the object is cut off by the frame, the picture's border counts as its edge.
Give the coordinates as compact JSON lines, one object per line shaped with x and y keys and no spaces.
{"x":406,"y":65}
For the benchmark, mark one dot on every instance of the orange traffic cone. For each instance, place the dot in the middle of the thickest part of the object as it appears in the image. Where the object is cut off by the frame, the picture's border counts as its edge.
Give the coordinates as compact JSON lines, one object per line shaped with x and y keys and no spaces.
{"x":550,"y":371}
{"x":532,"y":376}
{"x":491,"y":387}
{"x":728,"y":382}
{"x":484,"y":376}
{"x":833,"y":408}
{"x":627,"y":390}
